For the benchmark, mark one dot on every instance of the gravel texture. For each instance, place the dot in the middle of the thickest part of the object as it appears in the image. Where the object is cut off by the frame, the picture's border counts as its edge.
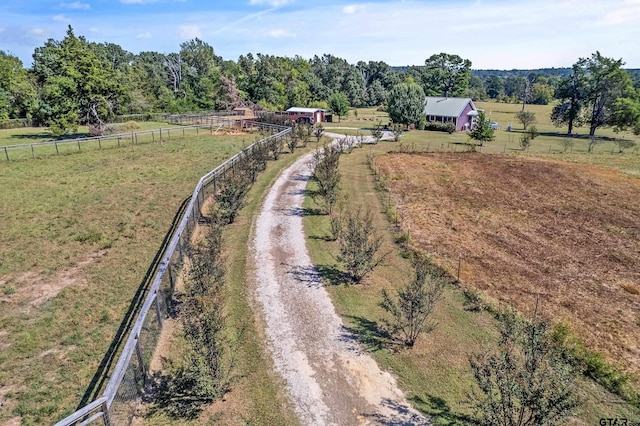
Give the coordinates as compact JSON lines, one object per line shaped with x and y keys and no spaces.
{"x":330,"y":378}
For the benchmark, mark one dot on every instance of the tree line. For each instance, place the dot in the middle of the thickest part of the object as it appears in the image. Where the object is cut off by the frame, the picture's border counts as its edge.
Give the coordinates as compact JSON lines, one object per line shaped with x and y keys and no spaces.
{"x":74,"y":81}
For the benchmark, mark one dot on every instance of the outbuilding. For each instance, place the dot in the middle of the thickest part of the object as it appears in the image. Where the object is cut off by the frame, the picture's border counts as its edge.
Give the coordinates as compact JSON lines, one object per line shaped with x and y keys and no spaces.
{"x":310,"y":115}
{"x":459,"y":111}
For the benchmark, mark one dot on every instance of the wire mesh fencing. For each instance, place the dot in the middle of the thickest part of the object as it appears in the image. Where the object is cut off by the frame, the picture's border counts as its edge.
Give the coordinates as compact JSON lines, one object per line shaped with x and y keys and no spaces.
{"x":125,"y":389}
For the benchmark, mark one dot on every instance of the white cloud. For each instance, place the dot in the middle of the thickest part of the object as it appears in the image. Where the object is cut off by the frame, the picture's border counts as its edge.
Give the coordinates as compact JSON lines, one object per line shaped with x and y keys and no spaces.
{"x":187,"y":32}
{"x":280,"y":33}
{"x":353,"y":8}
{"x":272,"y":3}
{"x":61,"y":18}
{"x":76,"y":5}
{"x":145,"y":35}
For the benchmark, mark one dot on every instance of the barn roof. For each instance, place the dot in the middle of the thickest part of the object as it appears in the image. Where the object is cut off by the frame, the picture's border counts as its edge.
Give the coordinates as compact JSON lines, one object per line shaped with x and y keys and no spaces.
{"x":446,"y":107}
{"x":304,"y":110}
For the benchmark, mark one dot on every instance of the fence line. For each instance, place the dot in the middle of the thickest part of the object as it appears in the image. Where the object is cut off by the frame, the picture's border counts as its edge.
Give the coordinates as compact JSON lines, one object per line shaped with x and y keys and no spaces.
{"x":56,"y":147}
{"x":125,"y":388}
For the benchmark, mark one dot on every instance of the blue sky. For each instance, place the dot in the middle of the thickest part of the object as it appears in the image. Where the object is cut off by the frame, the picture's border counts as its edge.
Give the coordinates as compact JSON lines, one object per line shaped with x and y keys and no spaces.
{"x":497,"y":34}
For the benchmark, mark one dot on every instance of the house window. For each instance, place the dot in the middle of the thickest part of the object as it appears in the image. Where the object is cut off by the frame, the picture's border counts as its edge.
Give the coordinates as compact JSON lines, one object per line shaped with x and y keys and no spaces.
{"x":432,"y":118}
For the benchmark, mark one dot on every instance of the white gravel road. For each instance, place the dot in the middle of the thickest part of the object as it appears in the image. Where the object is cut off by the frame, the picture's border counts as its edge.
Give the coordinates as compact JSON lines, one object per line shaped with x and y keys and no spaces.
{"x":329,"y":376}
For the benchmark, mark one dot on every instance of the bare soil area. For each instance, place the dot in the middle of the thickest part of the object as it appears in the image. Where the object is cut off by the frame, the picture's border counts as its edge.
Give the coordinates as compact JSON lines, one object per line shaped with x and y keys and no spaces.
{"x":526,"y":227}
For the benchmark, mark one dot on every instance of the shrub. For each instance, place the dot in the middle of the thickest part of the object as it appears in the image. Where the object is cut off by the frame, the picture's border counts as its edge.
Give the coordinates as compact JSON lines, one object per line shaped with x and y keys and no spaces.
{"x":415,"y":302}
{"x":325,"y":173}
{"x":524,"y":381}
{"x":359,"y":244}
{"x":440,"y":127}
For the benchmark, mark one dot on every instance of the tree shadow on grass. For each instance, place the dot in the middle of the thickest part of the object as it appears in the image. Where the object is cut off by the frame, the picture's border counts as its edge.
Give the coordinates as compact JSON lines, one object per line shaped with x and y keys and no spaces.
{"x":400,"y":415}
{"x":331,"y":275}
{"x":40,"y":136}
{"x":438,"y":408}
{"x":369,"y":333}
{"x":304,"y":211}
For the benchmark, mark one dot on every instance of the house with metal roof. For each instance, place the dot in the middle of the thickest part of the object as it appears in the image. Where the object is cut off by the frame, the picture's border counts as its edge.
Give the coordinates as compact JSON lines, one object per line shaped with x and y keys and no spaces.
{"x":311,"y":115}
{"x":459,"y":111}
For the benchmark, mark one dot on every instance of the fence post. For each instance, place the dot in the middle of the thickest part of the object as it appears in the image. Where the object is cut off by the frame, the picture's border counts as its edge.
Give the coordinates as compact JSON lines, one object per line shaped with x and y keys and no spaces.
{"x":100,"y":143}
{"x":33,"y":152}
{"x":105,"y":414}
{"x":79,"y":150}
{"x":6,"y":153}
{"x":132,"y":141}
{"x":56,"y":144}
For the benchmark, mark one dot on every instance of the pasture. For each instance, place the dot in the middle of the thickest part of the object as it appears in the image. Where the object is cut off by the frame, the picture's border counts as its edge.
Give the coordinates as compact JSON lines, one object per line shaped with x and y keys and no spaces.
{"x":78,"y":234}
{"x":445,"y":211}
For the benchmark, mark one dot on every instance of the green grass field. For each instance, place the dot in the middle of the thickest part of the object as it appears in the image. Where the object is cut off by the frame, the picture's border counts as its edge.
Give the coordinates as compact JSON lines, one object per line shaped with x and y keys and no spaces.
{"x":435,"y":374}
{"x":29,"y":135}
{"x":79,"y":233}
{"x":550,"y":140}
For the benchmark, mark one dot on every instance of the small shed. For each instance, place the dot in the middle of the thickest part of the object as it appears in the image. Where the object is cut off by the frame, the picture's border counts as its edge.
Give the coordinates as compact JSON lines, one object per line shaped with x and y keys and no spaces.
{"x":310,"y":115}
{"x":459,"y":111}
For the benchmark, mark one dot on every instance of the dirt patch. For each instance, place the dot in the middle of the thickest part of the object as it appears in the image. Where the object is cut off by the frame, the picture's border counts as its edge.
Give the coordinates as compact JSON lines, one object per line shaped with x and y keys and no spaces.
{"x":525,"y":227}
{"x":34,"y":288}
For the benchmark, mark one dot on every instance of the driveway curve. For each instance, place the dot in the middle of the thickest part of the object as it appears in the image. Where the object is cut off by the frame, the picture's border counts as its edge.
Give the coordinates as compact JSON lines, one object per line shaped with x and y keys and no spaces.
{"x":330,"y":378}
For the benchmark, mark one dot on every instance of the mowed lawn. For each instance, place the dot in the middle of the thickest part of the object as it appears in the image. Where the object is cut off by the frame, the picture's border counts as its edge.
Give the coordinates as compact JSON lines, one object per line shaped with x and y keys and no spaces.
{"x":78,"y":234}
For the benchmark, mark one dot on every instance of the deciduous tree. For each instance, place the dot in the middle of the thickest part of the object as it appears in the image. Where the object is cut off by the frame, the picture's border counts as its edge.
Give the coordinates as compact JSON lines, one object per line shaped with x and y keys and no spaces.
{"x":526,"y":118}
{"x":446,"y":75}
{"x":339,"y":104}
{"x":406,"y":104}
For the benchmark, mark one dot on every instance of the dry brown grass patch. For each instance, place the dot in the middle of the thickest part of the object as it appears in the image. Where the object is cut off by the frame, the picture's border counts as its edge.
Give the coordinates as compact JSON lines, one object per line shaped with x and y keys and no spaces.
{"x":528,"y":227}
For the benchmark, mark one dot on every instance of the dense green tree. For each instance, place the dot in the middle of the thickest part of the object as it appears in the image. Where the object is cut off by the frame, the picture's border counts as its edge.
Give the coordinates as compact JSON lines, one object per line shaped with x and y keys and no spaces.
{"x":339,"y":104}
{"x":541,"y":94}
{"x":495,"y":86}
{"x":570,"y":91}
{"x":405,"y":104}
{"x":446,"y":75}
{"x":477,"y":89}
{"x":605,"y":81}
{"x":75,"y":85}
{"x":626,"y":114}
{"x":17,"y":93}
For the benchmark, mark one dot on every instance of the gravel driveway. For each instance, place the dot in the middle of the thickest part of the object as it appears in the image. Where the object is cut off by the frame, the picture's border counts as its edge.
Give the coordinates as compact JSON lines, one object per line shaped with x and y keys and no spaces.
{"x":329,"y":376}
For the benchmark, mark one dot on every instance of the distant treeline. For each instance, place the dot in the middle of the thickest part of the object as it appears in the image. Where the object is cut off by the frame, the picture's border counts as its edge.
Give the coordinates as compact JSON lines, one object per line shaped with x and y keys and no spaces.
{"x":74,"y":81}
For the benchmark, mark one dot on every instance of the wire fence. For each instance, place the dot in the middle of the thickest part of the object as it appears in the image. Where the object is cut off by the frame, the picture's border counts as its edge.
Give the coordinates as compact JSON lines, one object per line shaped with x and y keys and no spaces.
{"x":199,"y":124}
{"x":125,"y":389}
